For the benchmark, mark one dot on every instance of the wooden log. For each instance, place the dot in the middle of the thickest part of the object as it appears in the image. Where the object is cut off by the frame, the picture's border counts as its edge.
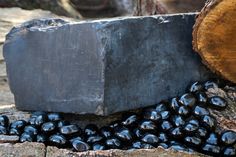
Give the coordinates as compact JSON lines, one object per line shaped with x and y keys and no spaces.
{"x":214,"y":37}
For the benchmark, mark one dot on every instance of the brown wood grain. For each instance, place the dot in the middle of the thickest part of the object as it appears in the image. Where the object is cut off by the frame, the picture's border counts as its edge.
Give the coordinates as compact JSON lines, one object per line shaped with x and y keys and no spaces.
{"x":214,"y":37}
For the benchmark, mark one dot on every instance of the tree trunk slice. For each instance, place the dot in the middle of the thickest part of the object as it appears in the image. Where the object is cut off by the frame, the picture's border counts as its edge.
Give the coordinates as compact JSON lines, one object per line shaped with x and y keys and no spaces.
{"x":214,"y":37}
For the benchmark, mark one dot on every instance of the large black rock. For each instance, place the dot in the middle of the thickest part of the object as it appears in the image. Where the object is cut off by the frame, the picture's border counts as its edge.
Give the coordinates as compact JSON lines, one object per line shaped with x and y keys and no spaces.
{"x":102,"y":66}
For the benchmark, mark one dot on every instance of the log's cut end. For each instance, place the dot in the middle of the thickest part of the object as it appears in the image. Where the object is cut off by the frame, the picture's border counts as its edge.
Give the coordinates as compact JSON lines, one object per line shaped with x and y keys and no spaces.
{"x":214,"y":37}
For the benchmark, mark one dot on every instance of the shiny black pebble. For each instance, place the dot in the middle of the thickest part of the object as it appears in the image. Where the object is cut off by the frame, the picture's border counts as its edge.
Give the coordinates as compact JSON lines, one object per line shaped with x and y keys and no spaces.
{"x":113,"y":143}
{"x":137,"y":145}
{"x":57,"y":140}
{"x":40,"y":119}
{"x":202,"y":133}
{"x":31,"y":129}
{"x":193,"y":141}
{"x":4,"y":121}
{"x":176,"y":133}
{"x":165,"y":115}
{"x":94,"y":138}
{"x":41,"y":138}
{"x":91,"y":129}
{"x":106,"y":132}
{"x":62,"y":123}
{"x":164,"y":145}
{"x":124,"y":134}
{"x":228,"y":138}
{"x":80,"y":146}
{"x":161,"y":107}
{"x":174,"y":105}
{"x":99,"y":146}
{"x":137,"y":133}
{"x":229,"y":152}
{"x":200,"y":111}
{"x":27,"y":137}
{"x":178,"y":120}
{"x":196,"y":87}
{"x":210,"y":84}
{"x":208,"y":122}
{"x":166,"y":126}
{"x":212,"y":139}
{"x":190,"y":129}
{"x":147,"y":125}
{"x":202,"y":97}
{"x":49,"y":127}
{"x":150,"y":139}
{"x":152,"y":114}
{"x":54,"y":117}
{"x":3,"y":130}
{"x":19,"y":124}
{"x":188,"y":100}
{"x":76,"y":138}
{"x":217,"y":103}
{"x":210,"y":149}
{"x":163,"y":137}
{"x":70,"y":129}
{"x":15,"y":131}
{"x":183,"y":111}
{"x":129,"y":120}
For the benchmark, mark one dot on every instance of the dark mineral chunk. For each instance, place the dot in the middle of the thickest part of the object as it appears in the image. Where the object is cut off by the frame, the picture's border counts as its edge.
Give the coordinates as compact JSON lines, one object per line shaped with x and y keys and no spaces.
{"x":147,"y":125}
{"x":228,"y":138}
{"x":188,"y":100}
{"x":229,"y":152}
{"x":113,"y":143}
{"x":196,"y":87}
{"x":124,"y":135}
{"x":200,"y":111}
{"x":166,"y":126}
{"x":54,"y":117}
{"x":31,"y":129}
{"x":49,"y":127}
{"x":70,"y":130}
{"x":210,"y":84}
{"x":150,"y":139}
{"x":174,"y":105}
{"x":202,"y":133}
{"x":163,"y":137}
{"x":137,"y":145}
{"x":41,"y":138}
{"x":209,"y":122}
{"x":176,"y":133}
{"x":106,"y":132}
{"x":91,"y":129}
{"x":184,"y":111}
{"x":62,"y":123}
{"x":152,"y":114}
{"x":190,"y":129}
{"x":201,"y":97}
{"x":213,"y":139}
{"x":193,"y":141}
{"x":165,"y":115}
{"x":3,"y":130}
{"x":99,"y":146}
{"x":57,"y":140}
{"x":80,"y":146}
{"x":217,"y":103}
{"x":210,"y":149}
{"x":178,"y":120}
{"x":161,"y":107}
{"x":27,"y":137}
{"x":4,"y":121}
{"x":130,"y":120}
{"x":15,"y":131}
{"x":94,"y":139}
{"x":19,"y":124}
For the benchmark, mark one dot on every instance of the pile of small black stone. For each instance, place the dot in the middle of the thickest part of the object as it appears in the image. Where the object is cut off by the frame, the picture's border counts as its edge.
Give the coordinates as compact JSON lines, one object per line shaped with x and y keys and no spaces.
{"x":182,"y":123}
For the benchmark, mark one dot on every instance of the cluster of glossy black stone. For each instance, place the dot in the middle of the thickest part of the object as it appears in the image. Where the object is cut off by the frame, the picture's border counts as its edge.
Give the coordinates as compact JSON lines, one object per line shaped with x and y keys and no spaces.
{"x":183,"y":123}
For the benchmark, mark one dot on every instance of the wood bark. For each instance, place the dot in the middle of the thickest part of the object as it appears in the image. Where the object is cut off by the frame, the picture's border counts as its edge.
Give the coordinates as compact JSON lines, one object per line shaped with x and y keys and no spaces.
{"x":214,"y":37}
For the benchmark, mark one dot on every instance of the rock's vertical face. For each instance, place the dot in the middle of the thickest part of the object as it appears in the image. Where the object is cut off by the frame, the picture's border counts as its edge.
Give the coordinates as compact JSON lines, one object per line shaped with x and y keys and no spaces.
{"x":101,"y":67}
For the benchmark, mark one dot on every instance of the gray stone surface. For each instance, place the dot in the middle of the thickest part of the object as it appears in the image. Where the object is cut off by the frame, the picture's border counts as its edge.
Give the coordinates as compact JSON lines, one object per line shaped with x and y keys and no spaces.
{"x":27,"y":149}
{"x":101,"y":67}
{"x":9,"y":139}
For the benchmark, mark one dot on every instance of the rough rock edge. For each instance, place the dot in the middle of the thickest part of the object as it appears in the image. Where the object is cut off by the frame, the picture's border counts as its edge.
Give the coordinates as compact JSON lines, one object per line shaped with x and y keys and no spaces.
{"x":157,"y":152}
{"x":209,"y":6}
